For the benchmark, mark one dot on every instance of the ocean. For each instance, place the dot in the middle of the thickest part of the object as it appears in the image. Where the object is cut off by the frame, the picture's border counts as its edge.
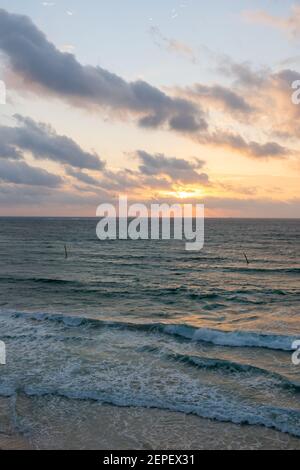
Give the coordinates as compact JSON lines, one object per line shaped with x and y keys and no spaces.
{"x":146,"y":325}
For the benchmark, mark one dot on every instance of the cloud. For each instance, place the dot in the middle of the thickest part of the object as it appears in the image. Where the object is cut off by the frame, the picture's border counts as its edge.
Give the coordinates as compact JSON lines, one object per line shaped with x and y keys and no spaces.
{"x":21,"y":173}
{"x":242,"y":72}
{"x":271,"y":98}
{"x":6,"y":150}
{"x":121,"y":180}
{"x":172,"y":45}
{"x":289,"y":24}
{"x":22,"y":199}
{"x":261,"y":99}
{"x":43,"y":66}
{"x":215,"y":95}
{"x":43,"y":142}
{"x":251,"y":148}
{"x":255,"y":207}
{"x":179,"y":170}
{"x":155,"y":173}
{"x":82,"y":177}
{"x":246,"y":207}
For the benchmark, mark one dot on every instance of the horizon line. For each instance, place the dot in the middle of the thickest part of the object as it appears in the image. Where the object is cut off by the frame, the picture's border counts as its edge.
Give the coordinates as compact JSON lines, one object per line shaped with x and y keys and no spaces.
{"x":97,"y":218}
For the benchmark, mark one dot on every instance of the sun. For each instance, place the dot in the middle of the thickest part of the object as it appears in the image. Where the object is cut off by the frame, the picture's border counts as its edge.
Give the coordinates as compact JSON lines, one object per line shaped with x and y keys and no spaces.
{"x":188,"y":193}
{"x":184,"y":194}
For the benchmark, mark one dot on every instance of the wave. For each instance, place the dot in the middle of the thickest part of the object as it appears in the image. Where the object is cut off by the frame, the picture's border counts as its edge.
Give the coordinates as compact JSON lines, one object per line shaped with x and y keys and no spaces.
{"x":272,"y":417}
{"x":230,"y":366}
{"x":242,"y":339}
{"x":223,"y":365}
{"x":233,"y":338}
{"x":138,"y":380}
{"x":41,"y":280}
{"x":253,"y":270}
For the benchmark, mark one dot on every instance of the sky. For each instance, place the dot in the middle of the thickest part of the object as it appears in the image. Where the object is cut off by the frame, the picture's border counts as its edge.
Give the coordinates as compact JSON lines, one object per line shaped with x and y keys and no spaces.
{"x":176,"y":101}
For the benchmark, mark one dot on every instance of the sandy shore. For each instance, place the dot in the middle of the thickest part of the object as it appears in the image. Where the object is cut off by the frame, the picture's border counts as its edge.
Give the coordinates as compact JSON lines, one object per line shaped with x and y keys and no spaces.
{"x":57,"y":423}
{"x":14,"y":443}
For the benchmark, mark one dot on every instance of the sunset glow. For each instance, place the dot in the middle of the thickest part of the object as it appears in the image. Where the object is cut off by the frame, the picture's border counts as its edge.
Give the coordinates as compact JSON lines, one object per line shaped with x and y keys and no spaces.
{"x":175,"y":111}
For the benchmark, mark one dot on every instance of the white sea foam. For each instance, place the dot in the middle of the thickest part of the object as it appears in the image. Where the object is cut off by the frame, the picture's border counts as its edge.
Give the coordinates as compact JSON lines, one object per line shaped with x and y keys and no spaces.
{"x":58,"y":355}
{"x":249,"y":339}
{"x":233,"y":338}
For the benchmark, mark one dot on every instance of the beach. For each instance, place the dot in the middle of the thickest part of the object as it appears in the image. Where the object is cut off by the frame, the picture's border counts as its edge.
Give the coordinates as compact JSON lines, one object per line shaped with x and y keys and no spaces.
{"x":141,"y":345}
{"x":57,"y":423}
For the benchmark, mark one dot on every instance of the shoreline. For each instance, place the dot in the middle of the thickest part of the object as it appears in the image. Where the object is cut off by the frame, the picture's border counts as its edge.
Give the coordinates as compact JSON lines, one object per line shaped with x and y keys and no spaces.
{"x":55,"y":423}
{"x":14,"y":442}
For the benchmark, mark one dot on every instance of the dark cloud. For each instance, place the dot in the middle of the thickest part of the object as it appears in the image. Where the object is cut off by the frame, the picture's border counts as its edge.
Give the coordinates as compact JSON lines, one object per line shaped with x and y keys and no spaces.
{"x":252,"y":149}
{"x":56,"y":202}
{"x":230,"y":100}
{"x":82,"y":177}
{"x":155,"y":172}
{"x":41,"y":64}
{"x":269,"y":149}
{"x":6,"y":150}
{"x":286,"y":77}
{"x":20,"y":173}
{"x":242,"y":72}
{"x":43,"y":142}
{"x":121,"y":180}
{"x":177,"y":169}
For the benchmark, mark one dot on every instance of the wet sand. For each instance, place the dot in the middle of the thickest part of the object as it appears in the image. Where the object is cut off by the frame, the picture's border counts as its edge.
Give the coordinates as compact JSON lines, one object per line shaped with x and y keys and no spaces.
{"x":58,"y":423}
{"x":14,"y":443}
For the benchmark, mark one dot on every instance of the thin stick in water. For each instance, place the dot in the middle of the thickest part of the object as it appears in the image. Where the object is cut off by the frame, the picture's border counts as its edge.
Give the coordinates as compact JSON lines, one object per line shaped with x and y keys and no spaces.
{"x":248,"y":262}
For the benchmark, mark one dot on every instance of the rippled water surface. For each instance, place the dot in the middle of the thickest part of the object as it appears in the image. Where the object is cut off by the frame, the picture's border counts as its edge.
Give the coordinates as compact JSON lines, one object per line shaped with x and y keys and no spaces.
{"x":146,"y":323}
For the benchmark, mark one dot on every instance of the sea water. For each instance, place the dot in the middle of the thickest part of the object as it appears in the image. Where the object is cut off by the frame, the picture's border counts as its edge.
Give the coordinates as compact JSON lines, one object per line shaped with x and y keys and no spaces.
{"x":150,"y":325}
